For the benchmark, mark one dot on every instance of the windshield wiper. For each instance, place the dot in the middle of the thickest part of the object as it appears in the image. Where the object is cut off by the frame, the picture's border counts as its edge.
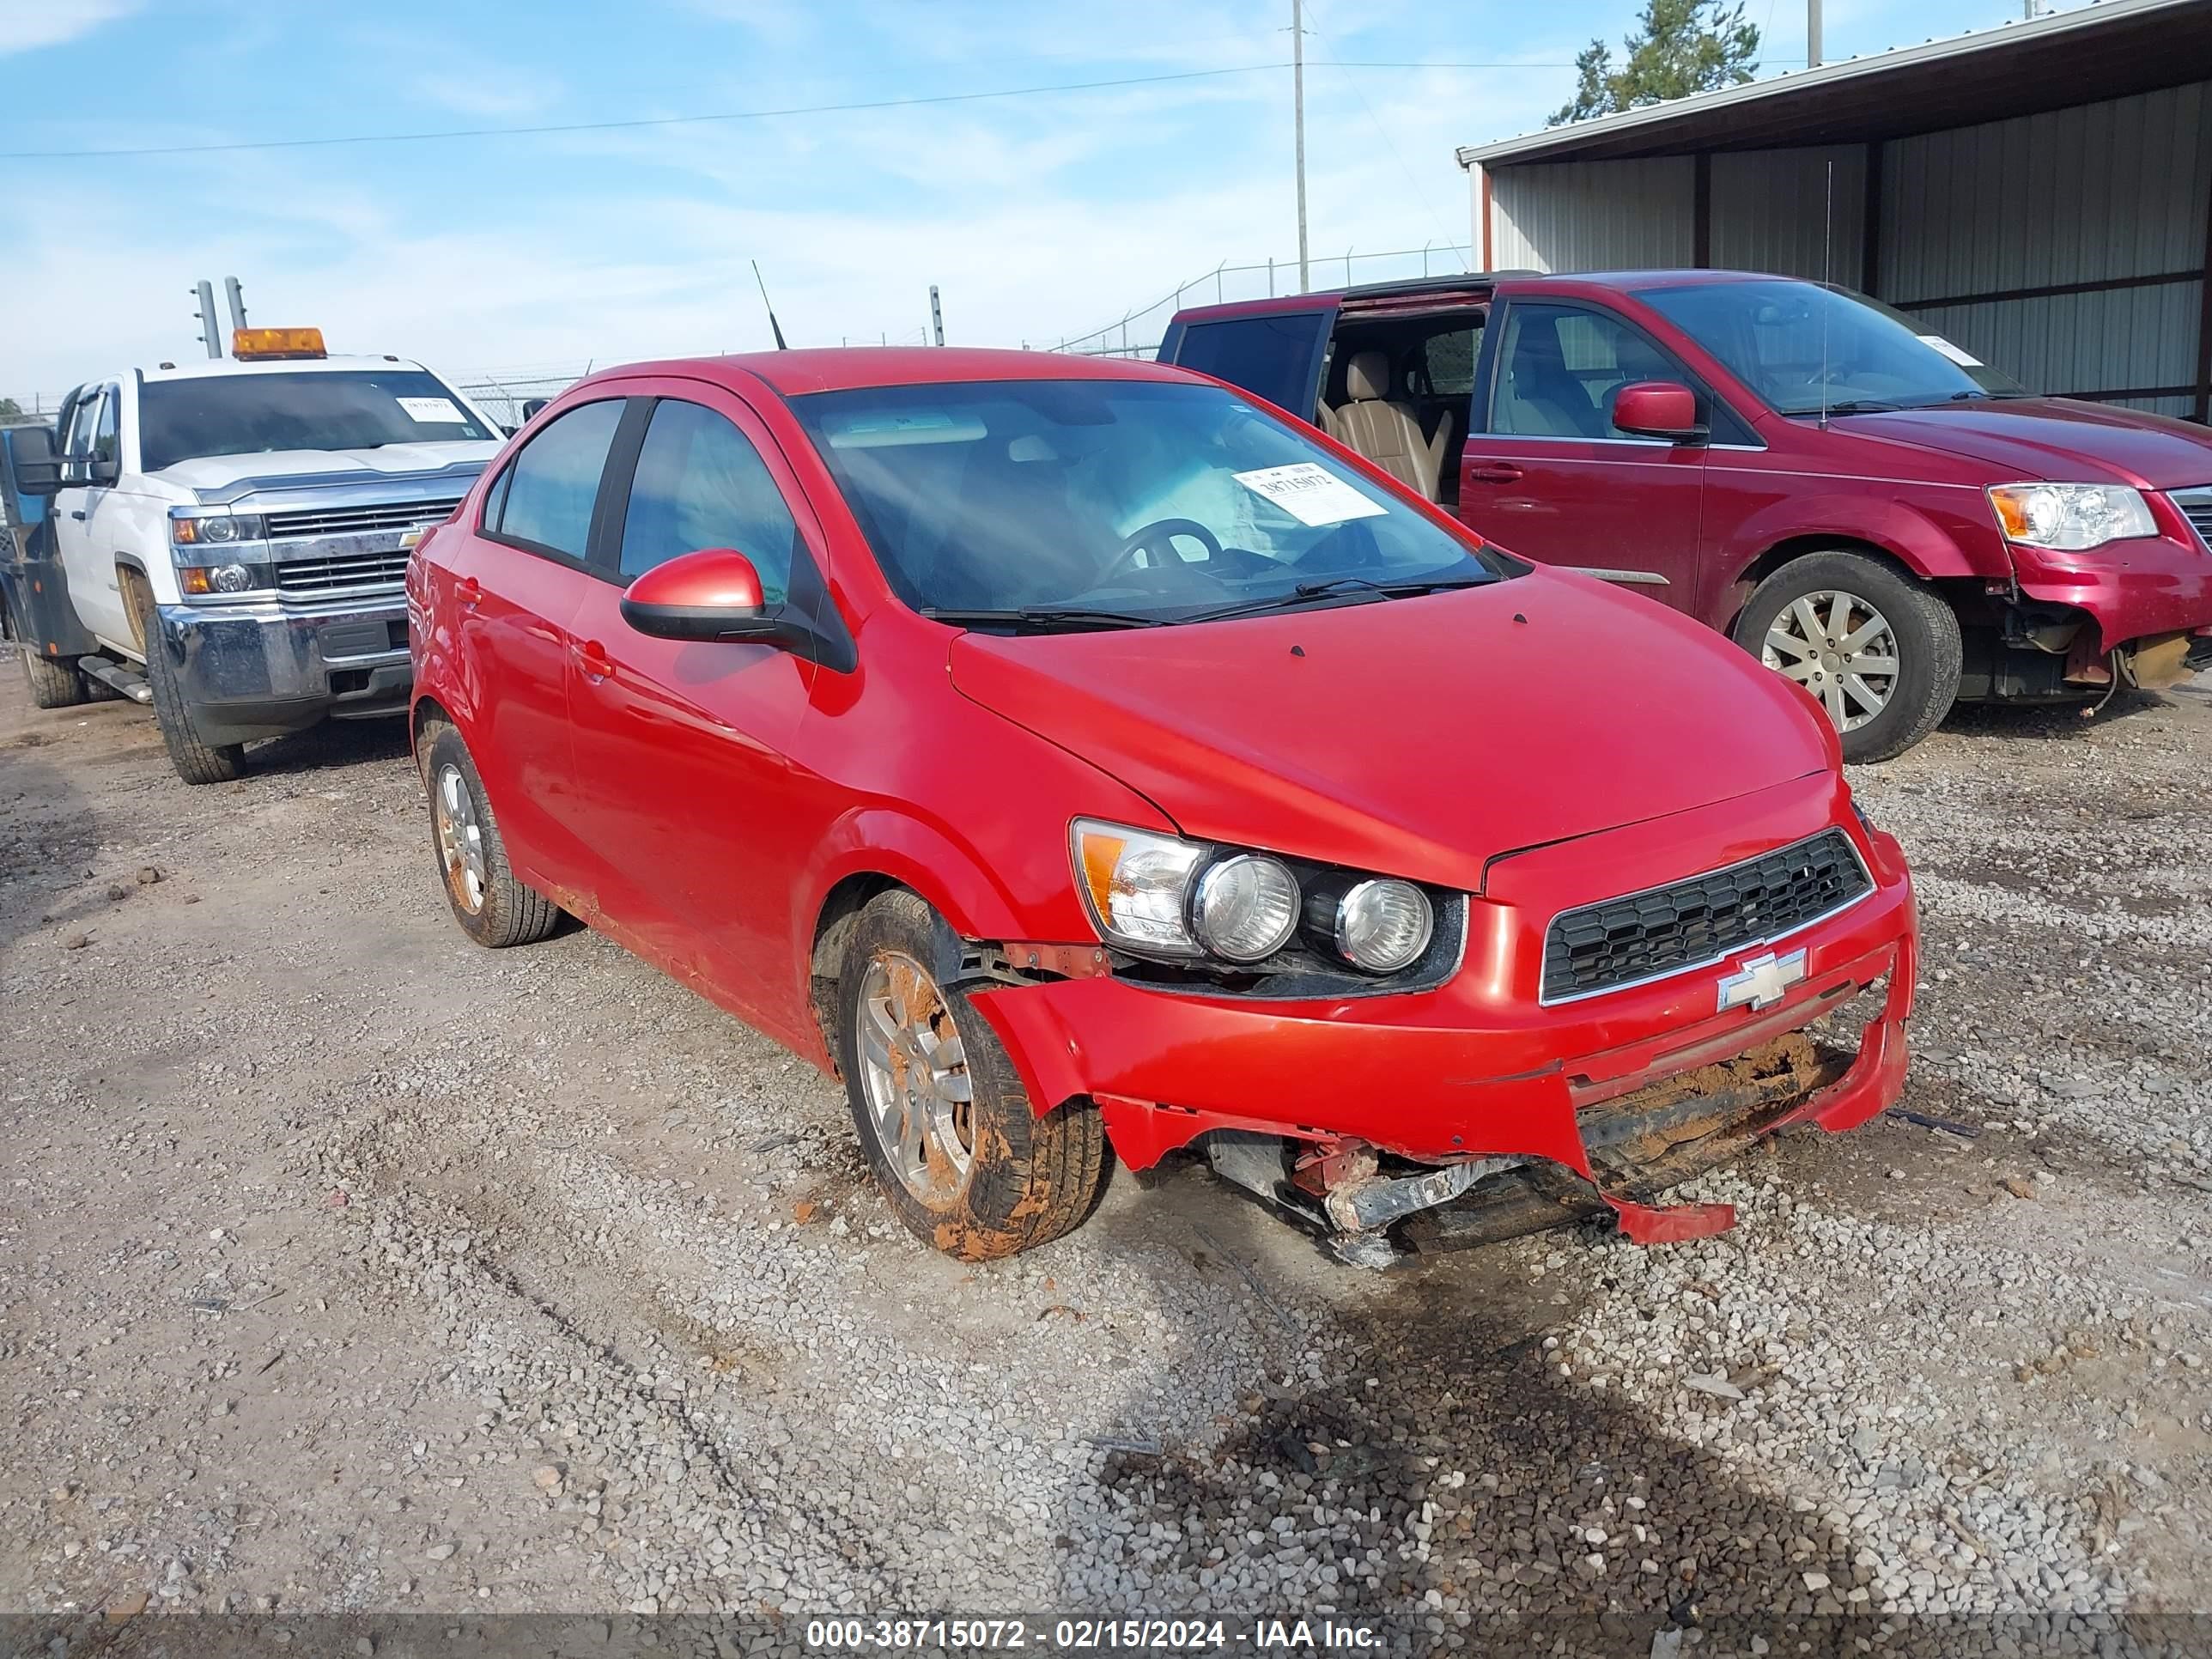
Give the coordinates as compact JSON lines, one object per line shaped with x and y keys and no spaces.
{"x":1040,"y":617}
{"x":1410,"y":588}
{"x":1851,"y":406}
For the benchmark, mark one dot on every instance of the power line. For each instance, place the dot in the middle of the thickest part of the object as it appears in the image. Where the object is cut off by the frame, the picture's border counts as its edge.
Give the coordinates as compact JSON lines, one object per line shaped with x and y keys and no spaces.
{"x":446,"y":134}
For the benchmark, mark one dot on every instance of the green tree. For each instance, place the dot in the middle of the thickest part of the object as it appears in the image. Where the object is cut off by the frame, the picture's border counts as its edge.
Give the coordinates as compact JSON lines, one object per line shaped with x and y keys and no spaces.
{"x":10,"y":409}
{"x":1681,"y":46}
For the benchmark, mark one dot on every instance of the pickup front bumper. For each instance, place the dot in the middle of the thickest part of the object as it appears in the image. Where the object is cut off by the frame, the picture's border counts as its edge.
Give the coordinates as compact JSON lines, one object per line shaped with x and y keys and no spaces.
{"x":260,"y":670}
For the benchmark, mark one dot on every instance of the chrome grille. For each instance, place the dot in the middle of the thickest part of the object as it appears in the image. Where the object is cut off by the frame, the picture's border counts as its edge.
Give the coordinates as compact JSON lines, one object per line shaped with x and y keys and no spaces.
{"x":351,"y":520}
{"x":2195,"y":505}
{"x":1643,"y":936}
{"x":371,"y":570}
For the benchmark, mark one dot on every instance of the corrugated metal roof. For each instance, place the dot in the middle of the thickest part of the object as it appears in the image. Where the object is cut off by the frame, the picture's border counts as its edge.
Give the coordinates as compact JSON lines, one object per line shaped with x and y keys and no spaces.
{"x":2109,"y":48}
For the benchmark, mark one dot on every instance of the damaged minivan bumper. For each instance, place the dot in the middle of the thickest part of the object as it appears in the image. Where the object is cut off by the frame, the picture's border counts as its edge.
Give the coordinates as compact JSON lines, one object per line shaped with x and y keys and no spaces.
{"x":1606,"y":1092}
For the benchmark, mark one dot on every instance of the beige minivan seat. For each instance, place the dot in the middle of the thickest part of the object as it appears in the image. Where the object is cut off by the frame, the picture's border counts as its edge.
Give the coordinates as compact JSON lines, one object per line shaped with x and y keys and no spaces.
{"x":1387,"y":434}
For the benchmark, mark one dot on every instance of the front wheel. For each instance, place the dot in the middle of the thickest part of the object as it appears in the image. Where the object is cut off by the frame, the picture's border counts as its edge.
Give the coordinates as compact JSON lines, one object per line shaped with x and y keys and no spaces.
{"x":1876,"y":648}
{"x":947,"y":1128}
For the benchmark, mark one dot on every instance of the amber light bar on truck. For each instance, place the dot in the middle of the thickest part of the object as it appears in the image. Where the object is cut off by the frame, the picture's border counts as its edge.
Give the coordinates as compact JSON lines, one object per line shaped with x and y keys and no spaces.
{"x":247,"y":344}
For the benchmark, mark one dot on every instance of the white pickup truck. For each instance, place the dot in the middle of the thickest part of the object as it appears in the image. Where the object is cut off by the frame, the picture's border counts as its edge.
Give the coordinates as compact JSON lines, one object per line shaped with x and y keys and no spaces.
{"x":225,"y":539}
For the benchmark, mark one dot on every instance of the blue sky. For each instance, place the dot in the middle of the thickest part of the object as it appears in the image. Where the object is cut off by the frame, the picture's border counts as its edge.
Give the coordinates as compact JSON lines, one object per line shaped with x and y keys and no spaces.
{"x":1041,"y":216}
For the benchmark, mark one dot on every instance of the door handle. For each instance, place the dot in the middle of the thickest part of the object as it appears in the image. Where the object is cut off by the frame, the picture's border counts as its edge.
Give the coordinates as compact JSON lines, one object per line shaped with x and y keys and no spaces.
{"x":592,"y":657}
{"x":470,"y":592}
{"x":1494,"y":472}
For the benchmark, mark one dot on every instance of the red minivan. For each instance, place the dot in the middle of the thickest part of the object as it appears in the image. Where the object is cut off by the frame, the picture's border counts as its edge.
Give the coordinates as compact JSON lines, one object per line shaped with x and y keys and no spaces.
{"x":1075,"y":755}
{"x":1859,"y":502}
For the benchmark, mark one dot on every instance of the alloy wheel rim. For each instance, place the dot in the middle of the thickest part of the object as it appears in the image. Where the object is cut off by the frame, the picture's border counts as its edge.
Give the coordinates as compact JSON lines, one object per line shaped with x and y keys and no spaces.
{"x":460,"y":839}
{"x":915,"y":1079}
{"x":1839,"y":647}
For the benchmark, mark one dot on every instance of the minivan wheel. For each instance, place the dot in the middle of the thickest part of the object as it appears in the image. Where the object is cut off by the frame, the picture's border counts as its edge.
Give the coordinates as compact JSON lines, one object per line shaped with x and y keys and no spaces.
{"x":494,"y":908}
{"x":1877,"y":649}
{"x":947,"y":1128}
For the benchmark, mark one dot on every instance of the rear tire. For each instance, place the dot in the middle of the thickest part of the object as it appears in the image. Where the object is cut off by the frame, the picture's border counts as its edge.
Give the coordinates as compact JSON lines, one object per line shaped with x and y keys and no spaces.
{"x":494,"y":908}
{"x":977,"y":1177}
{"x":196,"y":761}
{"x":1788,"y":621}
{"x":53,"y":684}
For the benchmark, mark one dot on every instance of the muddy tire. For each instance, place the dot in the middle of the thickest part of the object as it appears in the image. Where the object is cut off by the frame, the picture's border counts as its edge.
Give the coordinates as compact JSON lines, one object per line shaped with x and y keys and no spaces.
{"x":1877,"y":648}
{"x":948,"y":1130}
{"x":492,"y":906}
{"x":53,"y":684}
{"x":196,"y":761}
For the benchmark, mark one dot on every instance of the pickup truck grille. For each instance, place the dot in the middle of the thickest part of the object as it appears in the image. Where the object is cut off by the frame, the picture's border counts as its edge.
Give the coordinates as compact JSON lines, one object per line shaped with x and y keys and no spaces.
{"x":363,"y":571}
{"x":2195,"y":505}
{"x":1643,"y":936}
{"x":351,"y":520}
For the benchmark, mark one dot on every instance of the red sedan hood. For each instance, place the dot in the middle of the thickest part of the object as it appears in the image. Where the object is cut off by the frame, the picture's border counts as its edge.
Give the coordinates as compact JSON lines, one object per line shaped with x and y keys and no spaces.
{"x":2054,"y":438}
{"x":1420,"y":737}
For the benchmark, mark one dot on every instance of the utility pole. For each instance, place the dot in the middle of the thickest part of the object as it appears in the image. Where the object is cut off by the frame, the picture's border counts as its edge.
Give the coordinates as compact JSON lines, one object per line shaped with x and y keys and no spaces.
{"x":1813,"y":33}
{"x":1298,"y":124}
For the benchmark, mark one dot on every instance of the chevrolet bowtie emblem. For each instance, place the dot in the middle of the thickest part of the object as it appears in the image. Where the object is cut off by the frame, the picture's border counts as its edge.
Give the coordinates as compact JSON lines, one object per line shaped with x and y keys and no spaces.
{"x":1762,"y":982}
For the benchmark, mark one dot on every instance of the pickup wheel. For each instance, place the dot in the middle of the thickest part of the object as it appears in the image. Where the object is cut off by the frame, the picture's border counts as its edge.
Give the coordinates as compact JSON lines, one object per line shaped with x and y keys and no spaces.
{"x":948,"y":1130}
{"x":494,"y":908}
{"x":53,"y":684}
{"x":196,"y":761}
{"x":1877,"y":649}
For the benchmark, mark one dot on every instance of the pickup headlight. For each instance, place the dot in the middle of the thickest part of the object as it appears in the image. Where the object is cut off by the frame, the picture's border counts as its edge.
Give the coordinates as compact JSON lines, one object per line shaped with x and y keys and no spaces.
{"x":1159,"y":896}
{"x":2071,"y":518}
{"x":219,"y":528}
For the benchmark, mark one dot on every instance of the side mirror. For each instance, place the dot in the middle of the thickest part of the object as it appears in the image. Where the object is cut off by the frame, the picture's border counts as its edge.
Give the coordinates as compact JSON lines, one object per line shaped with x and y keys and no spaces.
{"x":712,"y":594}
{"x":98,"y":470}
{"x":38,"y":468}
{"x":530,"y":408}
{"x":1658,"y":409}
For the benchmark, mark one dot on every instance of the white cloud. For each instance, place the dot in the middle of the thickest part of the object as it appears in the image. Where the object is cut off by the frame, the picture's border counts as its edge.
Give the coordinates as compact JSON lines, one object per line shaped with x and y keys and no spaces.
{"x":28,"y":25}
{"x":488,"y":92}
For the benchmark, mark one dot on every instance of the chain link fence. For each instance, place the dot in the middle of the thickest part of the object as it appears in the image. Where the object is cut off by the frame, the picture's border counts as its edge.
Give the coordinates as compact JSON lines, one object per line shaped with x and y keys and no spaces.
{"x":1138,"y":333}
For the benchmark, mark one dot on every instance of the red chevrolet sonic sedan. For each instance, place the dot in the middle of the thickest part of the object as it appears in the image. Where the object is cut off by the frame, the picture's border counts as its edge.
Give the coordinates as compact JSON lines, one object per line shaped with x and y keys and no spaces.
{"x":1073,"y":755}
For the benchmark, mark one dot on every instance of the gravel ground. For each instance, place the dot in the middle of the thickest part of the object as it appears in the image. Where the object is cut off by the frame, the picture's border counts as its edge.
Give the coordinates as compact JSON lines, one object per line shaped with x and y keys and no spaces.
{"x":347,"y":1269}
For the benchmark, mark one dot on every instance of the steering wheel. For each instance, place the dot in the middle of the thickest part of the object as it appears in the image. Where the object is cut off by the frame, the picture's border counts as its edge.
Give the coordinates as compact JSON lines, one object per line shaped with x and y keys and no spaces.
{"x":1155,"y":538}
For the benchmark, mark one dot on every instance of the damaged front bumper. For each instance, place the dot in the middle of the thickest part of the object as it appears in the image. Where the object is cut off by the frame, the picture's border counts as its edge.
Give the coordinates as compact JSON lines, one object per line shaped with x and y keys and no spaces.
{"x":2150,"y":598}
{"x":1600,"y":1103}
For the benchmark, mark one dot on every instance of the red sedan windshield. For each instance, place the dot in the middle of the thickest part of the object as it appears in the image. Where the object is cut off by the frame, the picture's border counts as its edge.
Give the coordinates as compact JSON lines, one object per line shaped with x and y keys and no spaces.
{"x":1120,"y":500}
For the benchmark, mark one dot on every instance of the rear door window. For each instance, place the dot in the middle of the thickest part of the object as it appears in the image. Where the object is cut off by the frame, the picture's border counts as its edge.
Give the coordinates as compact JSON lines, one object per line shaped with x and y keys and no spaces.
{"x":1560,"y":368}
{"x":1277,"y":357}
{"x":545,"y":501}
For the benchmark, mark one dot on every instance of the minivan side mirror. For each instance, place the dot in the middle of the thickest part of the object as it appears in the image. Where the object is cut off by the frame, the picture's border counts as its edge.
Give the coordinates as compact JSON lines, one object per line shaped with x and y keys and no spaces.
{"x":38,"y":467}
{"x":1658,"y":409}
{"x":713,"y":594}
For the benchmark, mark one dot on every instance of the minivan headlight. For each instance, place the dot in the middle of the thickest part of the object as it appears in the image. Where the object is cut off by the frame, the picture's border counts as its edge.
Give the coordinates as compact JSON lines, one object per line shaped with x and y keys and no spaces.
{"x":2071,"y":518}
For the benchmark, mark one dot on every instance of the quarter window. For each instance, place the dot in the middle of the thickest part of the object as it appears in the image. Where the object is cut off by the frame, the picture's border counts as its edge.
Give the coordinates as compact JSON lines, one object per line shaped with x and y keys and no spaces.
{"x":1561,"y":368}
{"x":700,"y":484}
{"x":549,"y":490}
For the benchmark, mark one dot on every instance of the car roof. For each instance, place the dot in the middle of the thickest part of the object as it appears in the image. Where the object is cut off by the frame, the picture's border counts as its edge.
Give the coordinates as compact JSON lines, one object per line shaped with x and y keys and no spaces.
{"x":211,"y":367}
{"x":840,"y":368}
{"x":1379,"y":295}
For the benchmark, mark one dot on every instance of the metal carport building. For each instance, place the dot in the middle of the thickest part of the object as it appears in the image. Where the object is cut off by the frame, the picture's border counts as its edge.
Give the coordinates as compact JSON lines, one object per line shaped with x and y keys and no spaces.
{"x":2040,"y":193}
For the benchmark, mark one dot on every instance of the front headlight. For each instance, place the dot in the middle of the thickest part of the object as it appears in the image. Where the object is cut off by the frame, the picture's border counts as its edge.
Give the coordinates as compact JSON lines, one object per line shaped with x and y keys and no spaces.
{"x":2071,"y":518}
{"x":220,"y":528}
{"x":1159,"y":896}
{"x":200,"y":581}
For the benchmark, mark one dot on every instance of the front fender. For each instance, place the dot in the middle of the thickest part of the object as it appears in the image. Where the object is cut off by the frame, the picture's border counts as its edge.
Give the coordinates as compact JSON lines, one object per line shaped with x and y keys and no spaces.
{"x":1933,"y":532}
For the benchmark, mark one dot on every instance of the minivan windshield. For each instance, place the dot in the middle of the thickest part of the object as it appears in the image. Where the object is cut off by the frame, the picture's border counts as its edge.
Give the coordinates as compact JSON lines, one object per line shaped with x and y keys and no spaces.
{"x":328,"y":409}
{"x":1096,"y":503}
{"x":1804,"y":348}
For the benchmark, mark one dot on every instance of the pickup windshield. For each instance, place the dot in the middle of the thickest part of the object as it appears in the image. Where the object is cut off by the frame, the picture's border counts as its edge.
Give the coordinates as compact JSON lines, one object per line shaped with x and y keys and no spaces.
{"x":328,"y":409}
{"x":1073,"y":504}
{"x":1804,"y":348}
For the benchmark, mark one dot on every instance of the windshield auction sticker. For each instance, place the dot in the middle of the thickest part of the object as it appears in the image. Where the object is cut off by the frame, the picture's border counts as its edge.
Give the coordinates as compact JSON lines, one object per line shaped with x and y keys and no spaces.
{"x":433,"y":412}
{"x":1963,"y":359}
{"x":1310,"y":493}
